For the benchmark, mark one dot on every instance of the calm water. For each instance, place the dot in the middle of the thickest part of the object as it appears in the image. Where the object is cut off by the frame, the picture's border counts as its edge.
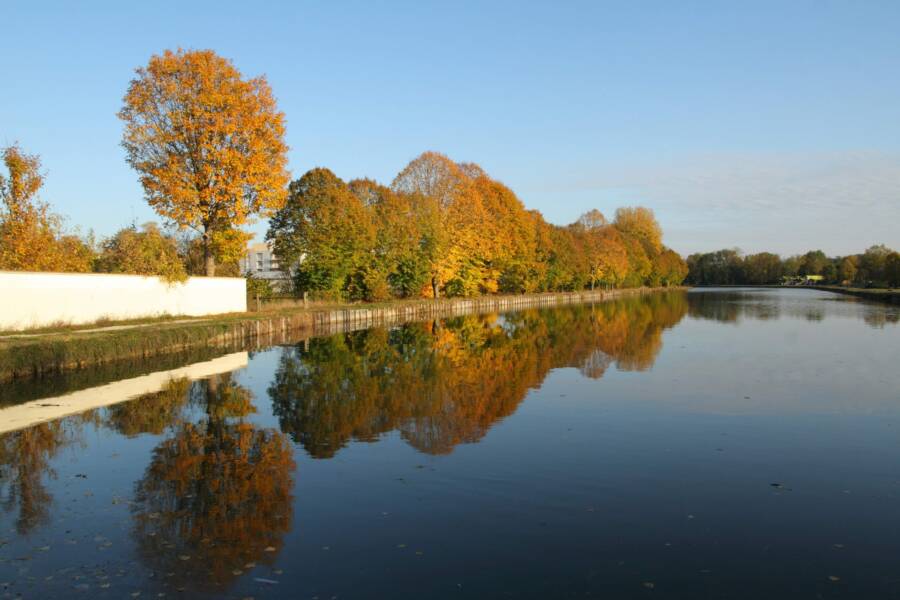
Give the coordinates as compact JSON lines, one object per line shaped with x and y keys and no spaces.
{"x":712,"y":444}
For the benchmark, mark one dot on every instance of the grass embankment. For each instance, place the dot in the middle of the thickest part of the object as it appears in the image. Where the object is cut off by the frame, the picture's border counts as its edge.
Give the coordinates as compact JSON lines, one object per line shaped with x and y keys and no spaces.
{"x":27,"y":356}
{"x":53,"y":351}
{"x":887,"y":295}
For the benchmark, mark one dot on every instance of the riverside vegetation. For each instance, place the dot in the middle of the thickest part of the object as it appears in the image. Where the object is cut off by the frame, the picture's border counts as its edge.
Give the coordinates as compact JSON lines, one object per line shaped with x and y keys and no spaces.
{"x":878,"y":267}
{"x":208,"y":146}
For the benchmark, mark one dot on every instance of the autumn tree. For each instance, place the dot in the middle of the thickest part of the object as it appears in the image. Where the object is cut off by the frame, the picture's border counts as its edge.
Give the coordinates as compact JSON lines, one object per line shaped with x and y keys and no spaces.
{"x":433,"y":177}
{"x":640,"y":222}
{"x":147,"y":251}
{"x":813,"y":262}
{"x":31,"y":235}
{"x":208,"y":145}
{"x":323,"y":229}
{"x":603,"y":248}
{"x":872,"y":264}
{"x":848,"y":268}
{"x":398,"y":263}
{"x":763,"y":268}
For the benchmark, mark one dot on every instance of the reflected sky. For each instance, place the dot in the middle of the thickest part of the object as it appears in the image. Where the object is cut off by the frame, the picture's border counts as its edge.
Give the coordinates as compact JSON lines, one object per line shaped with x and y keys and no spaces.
{"x":717,"y":443}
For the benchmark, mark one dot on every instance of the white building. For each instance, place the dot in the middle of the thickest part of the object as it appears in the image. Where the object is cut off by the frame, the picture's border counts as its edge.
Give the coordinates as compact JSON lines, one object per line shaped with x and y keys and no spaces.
{"x":262,"y":263}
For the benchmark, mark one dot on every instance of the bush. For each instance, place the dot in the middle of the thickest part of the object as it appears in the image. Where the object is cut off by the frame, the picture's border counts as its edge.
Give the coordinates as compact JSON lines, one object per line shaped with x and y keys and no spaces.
{"x":144,"y":252}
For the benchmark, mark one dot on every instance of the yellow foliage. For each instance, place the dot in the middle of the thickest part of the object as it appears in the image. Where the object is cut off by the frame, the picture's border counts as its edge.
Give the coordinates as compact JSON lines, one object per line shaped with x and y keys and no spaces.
{"x":208,"y":144}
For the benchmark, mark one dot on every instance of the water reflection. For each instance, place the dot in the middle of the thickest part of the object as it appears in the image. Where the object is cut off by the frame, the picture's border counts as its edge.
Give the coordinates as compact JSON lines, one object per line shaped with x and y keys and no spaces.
{"x":25,"y":468}
{"x":193,"y":483}
{"x":441,"y":384}
{"x":764,"y":304}
{"x":216,"y":496}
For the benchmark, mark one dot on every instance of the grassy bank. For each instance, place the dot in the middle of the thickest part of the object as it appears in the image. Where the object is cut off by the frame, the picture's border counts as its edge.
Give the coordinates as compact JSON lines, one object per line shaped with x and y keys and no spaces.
{"x":888,"y":296}
{"x":49,"y":351}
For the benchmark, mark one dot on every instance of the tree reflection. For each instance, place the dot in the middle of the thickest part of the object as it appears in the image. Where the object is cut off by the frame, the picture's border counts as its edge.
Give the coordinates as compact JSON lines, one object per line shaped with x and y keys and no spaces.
{"x":217,"y":493}
{"x":25,"y":458}
{"x":444,"y":383}
{"x":150,"y":413}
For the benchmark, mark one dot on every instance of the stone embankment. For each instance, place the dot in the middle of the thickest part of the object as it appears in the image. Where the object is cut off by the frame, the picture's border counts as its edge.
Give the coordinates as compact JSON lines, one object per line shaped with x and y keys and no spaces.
{"x":37,"y":355}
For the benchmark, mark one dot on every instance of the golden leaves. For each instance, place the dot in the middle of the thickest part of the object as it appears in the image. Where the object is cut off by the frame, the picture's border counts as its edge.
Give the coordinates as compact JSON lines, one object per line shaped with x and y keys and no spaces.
{"x":208,"y":144}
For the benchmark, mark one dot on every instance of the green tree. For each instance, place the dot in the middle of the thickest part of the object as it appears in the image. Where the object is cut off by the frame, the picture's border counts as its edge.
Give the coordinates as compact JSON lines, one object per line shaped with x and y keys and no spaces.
{"x":872,"y":265}
{"x":762,"y":269}
{"x":813,"y":262}
{"x":145,"y":251}
{"x":325,"y":230}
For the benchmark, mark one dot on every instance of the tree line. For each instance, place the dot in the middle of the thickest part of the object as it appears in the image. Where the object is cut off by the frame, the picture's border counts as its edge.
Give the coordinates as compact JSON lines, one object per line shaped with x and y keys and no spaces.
{"x":208,"y":147}
{"x":878,"y":266}
{"x":446,"y":228}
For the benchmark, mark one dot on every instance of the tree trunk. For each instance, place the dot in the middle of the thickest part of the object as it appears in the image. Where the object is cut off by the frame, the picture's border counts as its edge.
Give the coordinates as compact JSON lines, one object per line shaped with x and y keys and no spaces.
{"x":208,"y":257}
{"x":435,"y":289}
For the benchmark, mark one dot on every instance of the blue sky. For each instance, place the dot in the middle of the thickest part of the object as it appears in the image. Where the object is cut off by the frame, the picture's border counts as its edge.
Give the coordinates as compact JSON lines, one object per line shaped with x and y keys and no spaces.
{"x":742,"y":124}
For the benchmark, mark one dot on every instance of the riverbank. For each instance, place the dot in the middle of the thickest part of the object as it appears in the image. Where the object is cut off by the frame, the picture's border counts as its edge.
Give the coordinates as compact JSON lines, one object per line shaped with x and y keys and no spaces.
{"x":30,"y":356}
{"x":888,"y":296}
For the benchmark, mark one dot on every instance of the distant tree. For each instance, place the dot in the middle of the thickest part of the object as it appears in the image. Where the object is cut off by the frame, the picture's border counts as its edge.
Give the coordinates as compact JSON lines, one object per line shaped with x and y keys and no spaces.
{"x":792,"y":265}
{"x":640,"y":222}
{"x":141,"y":252}
{"x":208,"y":145}
{"x":671,"y":267}
{"x":848,"y":268}
{"x":591,"y":220}
{"x":31,"y":236}
{"x":723,"y":267}
{"x":892,"y":269}
{"x":813,"y":262}
{"x":872,"y":265}
{"x":762,"y":269}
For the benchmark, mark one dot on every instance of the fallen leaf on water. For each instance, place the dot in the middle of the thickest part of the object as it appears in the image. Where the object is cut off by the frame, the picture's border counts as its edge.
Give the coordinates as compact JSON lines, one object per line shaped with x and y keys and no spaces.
{"x":649,"y":585}
{"x":833,"y":578}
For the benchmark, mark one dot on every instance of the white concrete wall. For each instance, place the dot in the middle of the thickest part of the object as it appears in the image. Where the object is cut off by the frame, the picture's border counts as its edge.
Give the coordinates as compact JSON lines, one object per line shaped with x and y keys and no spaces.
{"x":38,"y":299}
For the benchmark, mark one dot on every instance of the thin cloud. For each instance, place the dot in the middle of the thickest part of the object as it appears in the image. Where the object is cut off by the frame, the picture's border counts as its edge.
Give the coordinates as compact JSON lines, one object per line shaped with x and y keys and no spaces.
{"x":840,"y":201}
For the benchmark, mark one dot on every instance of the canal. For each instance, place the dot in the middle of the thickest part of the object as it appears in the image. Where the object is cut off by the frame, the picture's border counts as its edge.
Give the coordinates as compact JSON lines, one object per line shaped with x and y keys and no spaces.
{"x":716,"y":443}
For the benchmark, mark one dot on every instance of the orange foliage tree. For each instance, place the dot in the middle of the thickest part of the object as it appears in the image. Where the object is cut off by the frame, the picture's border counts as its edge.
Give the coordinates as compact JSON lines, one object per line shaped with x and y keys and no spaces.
{"x":208,"y":145}
{"x":447,"y":228}
{"x":31,"y":236}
